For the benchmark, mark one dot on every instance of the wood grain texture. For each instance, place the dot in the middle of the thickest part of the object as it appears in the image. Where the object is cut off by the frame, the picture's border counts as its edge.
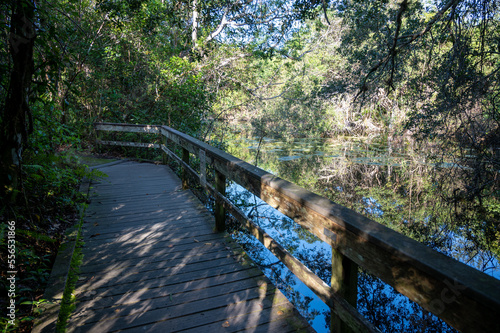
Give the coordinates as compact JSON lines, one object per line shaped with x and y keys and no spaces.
{"x":152,"y":263}
{"x":464,"y":297}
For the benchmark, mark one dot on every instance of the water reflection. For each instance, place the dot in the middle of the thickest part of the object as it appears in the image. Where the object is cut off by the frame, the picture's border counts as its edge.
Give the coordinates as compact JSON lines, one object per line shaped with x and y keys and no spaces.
{"x":302,"y":244}
{"x":387,"y":183}
{"x":352,"y":149}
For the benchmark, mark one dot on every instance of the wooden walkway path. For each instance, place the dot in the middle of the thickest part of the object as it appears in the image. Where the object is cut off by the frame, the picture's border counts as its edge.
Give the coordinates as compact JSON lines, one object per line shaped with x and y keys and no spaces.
{"x":152,"y":263}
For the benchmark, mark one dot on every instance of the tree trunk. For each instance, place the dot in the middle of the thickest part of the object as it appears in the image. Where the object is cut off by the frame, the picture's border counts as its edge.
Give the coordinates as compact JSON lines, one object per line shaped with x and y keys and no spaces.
{"x":194,"y":32}
{"x":15,"y":121}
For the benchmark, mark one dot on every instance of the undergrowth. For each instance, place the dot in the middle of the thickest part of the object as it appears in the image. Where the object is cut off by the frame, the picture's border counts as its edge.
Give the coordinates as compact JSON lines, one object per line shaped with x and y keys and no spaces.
{"x":68,"y":301}
{"x":46,"y":205}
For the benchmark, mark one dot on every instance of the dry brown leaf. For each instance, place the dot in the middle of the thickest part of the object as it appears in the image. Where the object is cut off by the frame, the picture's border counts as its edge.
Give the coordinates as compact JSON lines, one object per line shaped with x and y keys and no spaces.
{"x":225,"y":324}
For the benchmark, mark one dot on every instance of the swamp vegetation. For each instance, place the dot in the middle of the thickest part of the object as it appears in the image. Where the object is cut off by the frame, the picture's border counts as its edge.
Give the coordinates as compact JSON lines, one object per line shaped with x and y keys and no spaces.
{"x":389,"y":107}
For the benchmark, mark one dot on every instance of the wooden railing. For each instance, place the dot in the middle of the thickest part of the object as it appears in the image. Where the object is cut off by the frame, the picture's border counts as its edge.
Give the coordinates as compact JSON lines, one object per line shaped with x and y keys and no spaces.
{"x":464,"y":297}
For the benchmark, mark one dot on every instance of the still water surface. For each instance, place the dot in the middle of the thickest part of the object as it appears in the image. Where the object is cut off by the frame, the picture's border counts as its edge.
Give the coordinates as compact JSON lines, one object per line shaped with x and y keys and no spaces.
{"x":304,"y":161}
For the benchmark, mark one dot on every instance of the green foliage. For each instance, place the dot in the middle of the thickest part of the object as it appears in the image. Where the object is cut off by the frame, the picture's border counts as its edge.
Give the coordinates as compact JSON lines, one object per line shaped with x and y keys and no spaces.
{"x":305,"y":68}
{"x":53,"y":182}
{"x":34,"y":255}
{"x":50,"y":179}
{"x":68,"y":301}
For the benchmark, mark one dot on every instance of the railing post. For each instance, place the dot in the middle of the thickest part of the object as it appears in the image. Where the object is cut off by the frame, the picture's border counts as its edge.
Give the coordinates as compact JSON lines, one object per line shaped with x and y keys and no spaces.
{"x":219,"y":210}
{"x":185,"y":159}
{"x":164,"y":155}
{"x":98,"y":138}
{"x":344,"y":281}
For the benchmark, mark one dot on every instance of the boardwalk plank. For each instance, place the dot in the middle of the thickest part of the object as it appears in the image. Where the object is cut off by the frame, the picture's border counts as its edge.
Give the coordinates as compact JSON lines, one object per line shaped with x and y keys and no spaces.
{"x":183,"y":291}
{"x":204,"y":289}
{"x":143,"y":241}
{"x":163,"y":228}
{"x":244,"y":315}
{"x":152,"y":263}
{"x":113,"y":252}
{"x":191,"y":314}
{"x":195,"y":300}
{"x":130,"y":275}
{"x":101,"y":251}
{"x":148,"y":263}
{"x":193,"y":227}
{"x":92,"y":289}
{"x":150,"y":218}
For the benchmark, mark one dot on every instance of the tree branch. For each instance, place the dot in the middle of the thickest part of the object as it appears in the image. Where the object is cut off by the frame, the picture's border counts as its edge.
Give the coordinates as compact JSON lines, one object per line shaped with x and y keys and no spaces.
{"x":393,"y":51}
{"x":324,"y":11}
{"x":429,"y":25}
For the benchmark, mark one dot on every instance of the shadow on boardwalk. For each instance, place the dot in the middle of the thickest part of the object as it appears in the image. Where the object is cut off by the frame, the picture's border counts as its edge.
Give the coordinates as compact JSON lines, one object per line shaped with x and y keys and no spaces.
{"x":152,"y":263}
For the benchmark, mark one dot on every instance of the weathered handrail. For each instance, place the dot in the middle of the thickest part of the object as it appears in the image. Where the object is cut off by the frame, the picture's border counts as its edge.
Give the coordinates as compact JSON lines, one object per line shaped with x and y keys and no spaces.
{"x":464,"y":297}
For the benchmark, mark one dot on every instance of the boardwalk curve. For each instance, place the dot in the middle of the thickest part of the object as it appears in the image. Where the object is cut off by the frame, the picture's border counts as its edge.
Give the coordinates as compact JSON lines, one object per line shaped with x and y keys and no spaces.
{"x":152,"y":263}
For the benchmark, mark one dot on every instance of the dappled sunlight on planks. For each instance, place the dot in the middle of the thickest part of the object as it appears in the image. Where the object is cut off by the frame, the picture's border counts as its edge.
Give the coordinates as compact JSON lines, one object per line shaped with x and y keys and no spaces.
{"x":152,"y":263}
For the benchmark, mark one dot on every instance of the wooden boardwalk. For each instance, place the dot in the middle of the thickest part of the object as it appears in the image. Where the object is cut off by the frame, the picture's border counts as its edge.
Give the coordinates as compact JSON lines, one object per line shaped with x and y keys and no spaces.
{"x":152,"y":263}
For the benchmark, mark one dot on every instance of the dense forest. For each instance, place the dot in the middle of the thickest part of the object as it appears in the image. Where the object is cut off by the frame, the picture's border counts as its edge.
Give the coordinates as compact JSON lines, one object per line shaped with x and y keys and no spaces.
{"x":419,"y":73}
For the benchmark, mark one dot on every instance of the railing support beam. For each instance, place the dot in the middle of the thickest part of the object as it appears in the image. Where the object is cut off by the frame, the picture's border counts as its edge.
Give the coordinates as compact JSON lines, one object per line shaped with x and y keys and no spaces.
{"x":185,"y":159}
{"x":98,"y":140}
{"x":220,"y":211}
{"x":345,"y":282}
{"x":164,"y":155}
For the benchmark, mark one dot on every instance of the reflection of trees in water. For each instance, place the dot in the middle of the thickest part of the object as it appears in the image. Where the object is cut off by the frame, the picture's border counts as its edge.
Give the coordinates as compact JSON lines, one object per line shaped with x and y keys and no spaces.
{"x":377,"y":301}
{"x":277,"y":272}
{"x":392,"y":312}
{"x":417,"y":205}
{"x":398,"y":197}
{"x":405,"y":198}
{"x":411,"y":197}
